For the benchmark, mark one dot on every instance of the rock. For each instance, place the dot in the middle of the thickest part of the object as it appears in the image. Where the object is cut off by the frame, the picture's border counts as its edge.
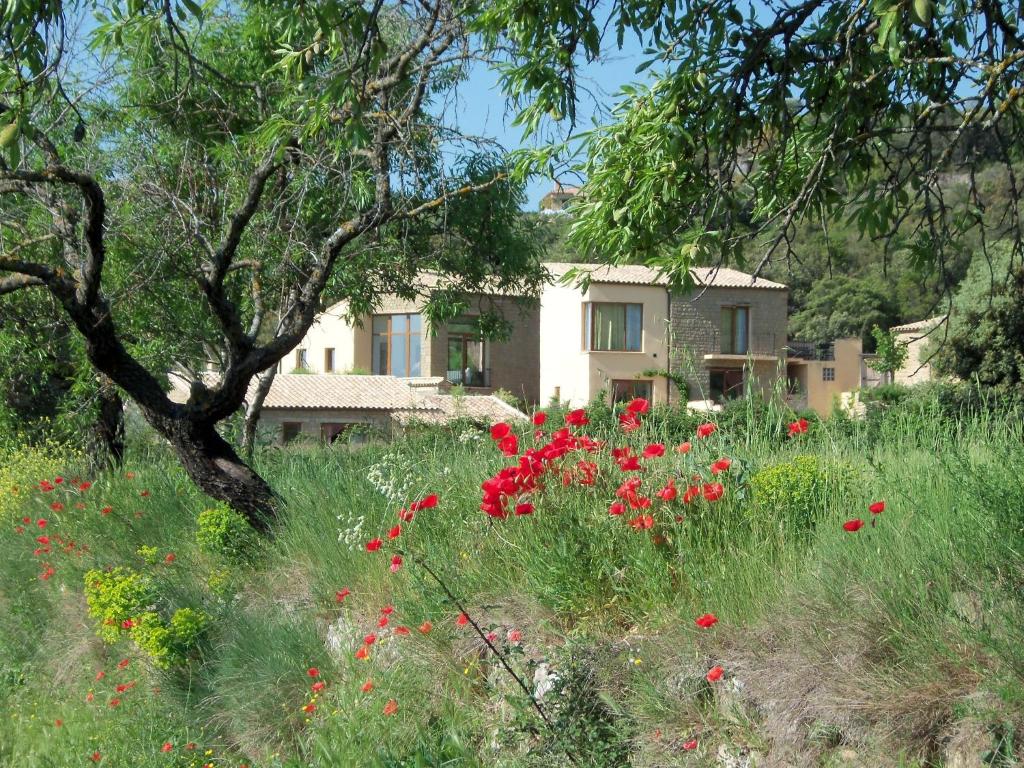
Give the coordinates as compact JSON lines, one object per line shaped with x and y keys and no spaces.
{"x":967,"y":607}
{"x":543,"y":681}
{"x":967,"y":746}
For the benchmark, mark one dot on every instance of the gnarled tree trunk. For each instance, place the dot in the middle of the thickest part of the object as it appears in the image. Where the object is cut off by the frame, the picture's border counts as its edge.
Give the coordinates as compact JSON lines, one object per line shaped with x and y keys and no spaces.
{"x":213,"y":465}
{"x":109,"y":425}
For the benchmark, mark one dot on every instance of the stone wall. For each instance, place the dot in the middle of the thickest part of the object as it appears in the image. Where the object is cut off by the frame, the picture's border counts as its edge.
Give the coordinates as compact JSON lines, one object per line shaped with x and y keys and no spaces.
{"x":695,"y":322}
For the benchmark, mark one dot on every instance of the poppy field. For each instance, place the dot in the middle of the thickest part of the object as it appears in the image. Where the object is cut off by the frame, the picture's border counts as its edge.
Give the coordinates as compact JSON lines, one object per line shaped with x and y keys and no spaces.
{"x":581,"y":589}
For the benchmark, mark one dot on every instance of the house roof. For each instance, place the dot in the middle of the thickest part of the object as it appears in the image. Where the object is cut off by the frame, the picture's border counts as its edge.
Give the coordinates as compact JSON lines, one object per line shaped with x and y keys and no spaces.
{"x":487,"y":408}
{"x":638,"y":274}
{"x":329,"y":390}
{"x":920,"y":325}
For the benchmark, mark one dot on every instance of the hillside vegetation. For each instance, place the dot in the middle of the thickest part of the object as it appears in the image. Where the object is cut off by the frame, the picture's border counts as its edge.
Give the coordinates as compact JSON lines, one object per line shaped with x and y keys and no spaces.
{"x":663,"y":607}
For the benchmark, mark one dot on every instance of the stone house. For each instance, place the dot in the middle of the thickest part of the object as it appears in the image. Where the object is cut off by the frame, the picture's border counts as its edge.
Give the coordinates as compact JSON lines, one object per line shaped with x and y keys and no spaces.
{"x":625,"y":333}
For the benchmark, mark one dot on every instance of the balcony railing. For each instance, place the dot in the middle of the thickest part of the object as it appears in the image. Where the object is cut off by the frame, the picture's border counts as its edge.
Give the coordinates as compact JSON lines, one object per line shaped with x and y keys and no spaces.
{"x":470,"y":377}
{"x":759,"y":344}
{"x":809,"y":350}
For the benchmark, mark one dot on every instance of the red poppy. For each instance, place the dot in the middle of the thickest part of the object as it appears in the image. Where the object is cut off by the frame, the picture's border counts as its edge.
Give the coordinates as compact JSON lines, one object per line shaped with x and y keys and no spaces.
{"x":526,"y":508}
{"x":630,"y":464}
{"x":114,"y":702}
{"x":669,"y":492}
{"x":396,"y":563}
{"x":127,"y":624}
{"x":491,"y":636}
{"x":638,"y":405}
{"x":499,"y":430}
{"x":383,"y":621}
{"x":391,"y":707}
{"x":170,"y":558}
{"x":90,"y":696}
{"x":167,"y":747}
{"x":129,"y":475}
{"x":100,"y":675}
{"x":539,"y":418}
{"x":370,"y":639}
{"x":798,"y":427}
{"x":106,"y":510}
{"x":405,"y":515}
{"x":341,"y":594}
{"x":463,"y":620}
{"x":509,"y":445}
{"x":577,"y":418}
{"x":311,"y":707}
{"x":425,"y":628}
{"x":722,"y":465}
{"x":395,"y":532}
{"x":123,"y":664}
{"x":85,"y":486}
{"x":58,"y":722}
{"x":313,"y":672}
{"x":642,"y":522}
{"x":58,"y":480}
{"x":515,"y":636}
{"x":427,"y":502}
{"x":616,"y":508}
{"x":402,"y":630}
{"x":712,"y":491}
{"x":363,"y":652}
{"x":95,"y":757}
{"x":190,"y":746}
{"x":629,"y":421}
{"x":684,"y":447}
{"x":57,"y":506}
{"x":690,"y":745}
{"x":877,"y":508}
{"x":387,"y":610}
{"x":318,"y":686}
{"x":373,"y":545}
{"x":707,"y":621}
{"x":706,"y":430}
{"x":654,"y":450}
{"x":715,"y":674}
{"x":144,"y":494}
{"x":367,"y":686}
{"x":41,"y":522}
{"x":852,"y":526}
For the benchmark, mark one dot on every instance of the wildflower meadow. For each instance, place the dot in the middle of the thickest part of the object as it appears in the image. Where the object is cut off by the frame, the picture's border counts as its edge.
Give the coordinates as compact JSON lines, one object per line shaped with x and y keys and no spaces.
{"x":590,"y":588}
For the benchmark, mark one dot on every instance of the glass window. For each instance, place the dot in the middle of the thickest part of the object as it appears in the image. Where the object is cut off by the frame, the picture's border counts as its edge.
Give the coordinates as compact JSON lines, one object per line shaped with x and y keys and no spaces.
{"x":301,"y":363}
{"x":609,"y":327}
{"x":828,"y":374}
{"x":331,"y":431}
{"x":396,"y":345}
{"x":624,"y":390}
{"x":290,"y":430}
{"x":466,"y":360}
{"x":735,"y":330}
{"x":329,"y":360}
{"x":725,"y":384}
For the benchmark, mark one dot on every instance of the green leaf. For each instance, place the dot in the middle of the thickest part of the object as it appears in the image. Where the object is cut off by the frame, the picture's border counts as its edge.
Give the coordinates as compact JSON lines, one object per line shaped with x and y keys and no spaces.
{"x":921,"y":12}
{"x":8,"y":134}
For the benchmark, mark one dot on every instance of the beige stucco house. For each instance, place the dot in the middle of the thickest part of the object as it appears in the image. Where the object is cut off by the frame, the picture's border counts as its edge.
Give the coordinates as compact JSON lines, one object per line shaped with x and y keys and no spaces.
{"x":821,"y":377}
{"x":624,"y":333}
{"x":917,"y":369}
{"x":396,"y":341}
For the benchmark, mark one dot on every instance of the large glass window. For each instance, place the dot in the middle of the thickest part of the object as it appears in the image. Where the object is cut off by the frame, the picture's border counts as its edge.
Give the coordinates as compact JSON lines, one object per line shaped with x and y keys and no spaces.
{"x":726,"y":384}
{"x":735,"y":330}
{"x":624,"y":390}
{"x":466,"y":363}
{"x":395,"y":345}
{"x":609,"y":327}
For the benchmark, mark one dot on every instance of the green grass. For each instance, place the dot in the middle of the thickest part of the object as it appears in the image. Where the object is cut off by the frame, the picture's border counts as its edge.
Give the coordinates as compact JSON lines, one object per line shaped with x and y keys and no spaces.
{"x":887,"y":642}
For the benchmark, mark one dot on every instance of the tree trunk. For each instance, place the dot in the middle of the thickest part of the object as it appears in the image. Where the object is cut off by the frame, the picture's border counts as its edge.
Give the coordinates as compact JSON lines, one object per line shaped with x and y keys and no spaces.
{"x":213,"y":465}
{"x":253,"y":409}
{"x":109,"y":425}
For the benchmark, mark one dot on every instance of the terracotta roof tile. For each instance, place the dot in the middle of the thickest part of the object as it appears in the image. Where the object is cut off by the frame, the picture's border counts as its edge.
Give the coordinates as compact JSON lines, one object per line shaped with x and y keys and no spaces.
{"x":638,"y":274}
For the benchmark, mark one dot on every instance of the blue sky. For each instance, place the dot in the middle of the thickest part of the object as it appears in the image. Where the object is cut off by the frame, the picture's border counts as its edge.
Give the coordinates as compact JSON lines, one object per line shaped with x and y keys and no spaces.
{"x":482,"y":108}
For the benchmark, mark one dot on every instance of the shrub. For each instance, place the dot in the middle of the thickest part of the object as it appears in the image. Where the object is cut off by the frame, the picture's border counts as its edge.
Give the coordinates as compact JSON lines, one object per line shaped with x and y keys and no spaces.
{"x":222,"y":531}
{"x":168,"y":644}
{"x":116,"y":596}
{"x":793,"y":491}
{"x":23,"y":467}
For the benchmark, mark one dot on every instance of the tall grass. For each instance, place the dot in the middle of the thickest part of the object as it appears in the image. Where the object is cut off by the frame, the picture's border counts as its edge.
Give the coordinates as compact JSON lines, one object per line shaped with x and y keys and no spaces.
{"x":906,"y":627}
